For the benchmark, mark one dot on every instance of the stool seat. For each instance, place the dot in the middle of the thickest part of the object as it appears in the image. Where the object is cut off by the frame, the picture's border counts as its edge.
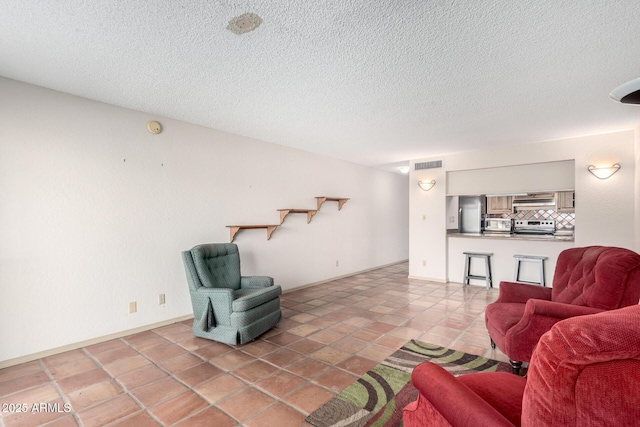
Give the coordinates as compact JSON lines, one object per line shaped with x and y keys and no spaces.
{"x":529,"y":258}
{"x":467,"y":267}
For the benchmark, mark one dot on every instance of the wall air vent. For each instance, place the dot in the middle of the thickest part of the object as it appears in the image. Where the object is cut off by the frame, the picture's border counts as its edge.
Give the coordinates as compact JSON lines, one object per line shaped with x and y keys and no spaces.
{"x":428,"y":165}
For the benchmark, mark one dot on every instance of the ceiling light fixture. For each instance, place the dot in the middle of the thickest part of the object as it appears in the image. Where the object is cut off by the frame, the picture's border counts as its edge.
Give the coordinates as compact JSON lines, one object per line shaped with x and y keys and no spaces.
{"x":404,"y":169}
{"x":244,"y":23}
{"x":604,"y":172}
{"x":427,"y":185}
{"x":627,"y":93}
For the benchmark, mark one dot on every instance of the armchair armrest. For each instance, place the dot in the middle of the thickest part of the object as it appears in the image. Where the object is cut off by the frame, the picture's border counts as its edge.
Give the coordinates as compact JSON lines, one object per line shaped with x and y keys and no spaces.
{"x":522,"y":292}
{"x":539,"y":317}
{"x":558,"y":310}
{"x":445,"y":394}
{"x":255,"y":282}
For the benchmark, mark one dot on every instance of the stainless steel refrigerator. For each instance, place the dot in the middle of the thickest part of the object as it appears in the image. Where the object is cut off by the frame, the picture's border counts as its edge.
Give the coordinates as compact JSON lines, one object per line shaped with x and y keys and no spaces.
{"x":471,"y":210}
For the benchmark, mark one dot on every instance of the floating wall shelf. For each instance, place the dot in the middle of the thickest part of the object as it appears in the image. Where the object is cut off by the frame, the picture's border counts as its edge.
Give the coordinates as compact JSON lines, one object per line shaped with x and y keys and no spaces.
{"x":341,"y":200}
{"x":284,"y":212}
{"x":233,"y":229}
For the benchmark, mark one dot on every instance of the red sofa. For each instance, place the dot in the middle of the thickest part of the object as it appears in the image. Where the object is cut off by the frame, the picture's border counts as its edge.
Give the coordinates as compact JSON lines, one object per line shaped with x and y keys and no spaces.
{"x":587,"y":280}
{"x":584,"y":372}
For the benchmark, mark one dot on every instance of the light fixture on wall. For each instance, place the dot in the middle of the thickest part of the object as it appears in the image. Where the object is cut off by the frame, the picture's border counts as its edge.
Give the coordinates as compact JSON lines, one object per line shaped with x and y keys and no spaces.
{"x":604,"y":172}
{"x":404,"y":169}
{"x":427,"y":185}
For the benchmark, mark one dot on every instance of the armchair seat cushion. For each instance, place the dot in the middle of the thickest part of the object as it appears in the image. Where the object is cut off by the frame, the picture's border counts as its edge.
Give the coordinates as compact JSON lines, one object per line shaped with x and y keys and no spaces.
{"x":502,"y":317}
{"x":246,"y":299}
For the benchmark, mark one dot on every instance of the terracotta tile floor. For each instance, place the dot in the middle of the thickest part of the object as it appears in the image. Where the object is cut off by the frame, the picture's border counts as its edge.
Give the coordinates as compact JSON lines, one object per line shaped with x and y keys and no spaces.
{"x":330,"y":335}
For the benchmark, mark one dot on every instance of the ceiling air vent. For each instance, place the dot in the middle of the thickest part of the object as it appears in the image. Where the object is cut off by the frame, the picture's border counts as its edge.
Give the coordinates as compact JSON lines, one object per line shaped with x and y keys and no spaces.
{"x":428,"y":165}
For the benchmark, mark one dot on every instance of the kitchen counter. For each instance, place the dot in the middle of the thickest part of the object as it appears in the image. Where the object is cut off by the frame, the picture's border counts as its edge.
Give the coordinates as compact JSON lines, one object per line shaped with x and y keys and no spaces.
{"x":503,"y":249}
{"x":512,"y":236}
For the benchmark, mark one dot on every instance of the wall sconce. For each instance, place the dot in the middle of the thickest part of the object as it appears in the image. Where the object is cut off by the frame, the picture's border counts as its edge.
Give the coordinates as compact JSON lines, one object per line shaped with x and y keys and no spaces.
{"x":427,"y":185}
{"x":404,"y":169}
{"x":604,"y":172}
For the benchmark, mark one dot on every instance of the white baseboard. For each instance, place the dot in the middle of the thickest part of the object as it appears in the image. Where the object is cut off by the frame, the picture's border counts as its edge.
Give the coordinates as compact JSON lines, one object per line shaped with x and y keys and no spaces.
{"x":428,"y":279}
{"x":98,"y":340}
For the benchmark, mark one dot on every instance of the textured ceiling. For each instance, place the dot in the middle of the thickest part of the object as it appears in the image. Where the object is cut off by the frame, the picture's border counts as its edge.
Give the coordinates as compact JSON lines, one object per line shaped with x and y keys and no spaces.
{"x":372,"y":82}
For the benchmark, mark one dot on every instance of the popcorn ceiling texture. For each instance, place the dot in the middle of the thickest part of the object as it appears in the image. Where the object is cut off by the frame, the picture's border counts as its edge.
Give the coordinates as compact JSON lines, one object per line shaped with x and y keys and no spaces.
{"x":369,"y":81}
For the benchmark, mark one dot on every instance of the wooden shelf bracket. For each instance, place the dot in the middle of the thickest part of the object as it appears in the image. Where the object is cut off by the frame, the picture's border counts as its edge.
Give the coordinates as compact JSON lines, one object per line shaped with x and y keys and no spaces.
{"x":233,"y":229}
{"x":341,"y":200}
{"x":284,"y":212}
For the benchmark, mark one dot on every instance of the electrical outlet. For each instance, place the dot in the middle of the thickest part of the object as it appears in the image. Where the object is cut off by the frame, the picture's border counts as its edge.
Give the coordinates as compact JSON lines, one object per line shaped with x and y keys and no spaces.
{"x":424,"y":262}
{"x":337,"y":263}
{"x":133,"y":307}
{"x":161,"y":299}
{"x":424,"y":217}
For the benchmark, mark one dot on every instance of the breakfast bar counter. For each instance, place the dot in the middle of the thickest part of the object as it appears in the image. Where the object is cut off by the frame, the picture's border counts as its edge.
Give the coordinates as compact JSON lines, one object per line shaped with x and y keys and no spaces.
{"x":503,"y":249}
{"x":513,"y":236}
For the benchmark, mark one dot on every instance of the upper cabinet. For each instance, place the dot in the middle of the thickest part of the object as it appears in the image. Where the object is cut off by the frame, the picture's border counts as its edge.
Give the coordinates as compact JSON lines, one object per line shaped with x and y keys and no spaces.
{"x":565,"y":201}
{"x":499,"y":204}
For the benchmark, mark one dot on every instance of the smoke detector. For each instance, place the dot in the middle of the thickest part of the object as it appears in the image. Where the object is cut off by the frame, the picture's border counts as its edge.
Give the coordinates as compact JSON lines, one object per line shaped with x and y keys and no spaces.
{"x":244,"y":23}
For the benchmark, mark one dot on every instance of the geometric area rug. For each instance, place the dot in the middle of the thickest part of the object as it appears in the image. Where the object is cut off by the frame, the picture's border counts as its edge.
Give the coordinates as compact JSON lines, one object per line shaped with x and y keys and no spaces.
{"x":377,"y":398}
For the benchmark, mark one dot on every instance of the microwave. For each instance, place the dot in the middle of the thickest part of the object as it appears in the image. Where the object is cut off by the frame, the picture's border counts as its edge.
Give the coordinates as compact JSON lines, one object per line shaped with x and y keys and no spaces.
{"x":497,"y":225}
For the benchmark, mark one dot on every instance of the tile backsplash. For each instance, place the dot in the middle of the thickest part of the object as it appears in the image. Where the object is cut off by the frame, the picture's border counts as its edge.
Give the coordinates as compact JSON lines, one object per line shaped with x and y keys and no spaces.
{"x":564,"y":221}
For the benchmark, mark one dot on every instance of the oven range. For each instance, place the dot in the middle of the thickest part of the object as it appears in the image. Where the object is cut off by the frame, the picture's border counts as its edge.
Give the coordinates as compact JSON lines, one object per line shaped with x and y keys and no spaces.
{"x":529,"y":226}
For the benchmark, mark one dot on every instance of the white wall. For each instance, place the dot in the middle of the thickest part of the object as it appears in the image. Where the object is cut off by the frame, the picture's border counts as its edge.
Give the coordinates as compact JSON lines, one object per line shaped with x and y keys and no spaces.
{"x":604,"y":208}
{"x":427,"y":223}
{"x":96,"y":210}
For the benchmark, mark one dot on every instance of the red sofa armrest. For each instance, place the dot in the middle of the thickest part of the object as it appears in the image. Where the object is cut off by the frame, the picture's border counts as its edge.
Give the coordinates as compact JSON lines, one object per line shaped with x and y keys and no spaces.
{"x":453,"y":400}
{"x":539,"y":317}
{"x":558,"y":310}
{"x":521,"y":292}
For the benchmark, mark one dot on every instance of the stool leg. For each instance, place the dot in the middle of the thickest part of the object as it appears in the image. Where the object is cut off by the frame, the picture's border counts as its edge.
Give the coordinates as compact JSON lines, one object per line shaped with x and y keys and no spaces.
{"x":467,"y":265}
{"x":516,"y":272}
{"x":488,"y":272}
{"x":542,"y":273}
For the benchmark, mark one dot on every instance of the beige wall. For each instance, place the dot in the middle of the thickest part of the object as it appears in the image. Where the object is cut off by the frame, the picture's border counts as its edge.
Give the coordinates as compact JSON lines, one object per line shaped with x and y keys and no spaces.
{"x":96,"y":210}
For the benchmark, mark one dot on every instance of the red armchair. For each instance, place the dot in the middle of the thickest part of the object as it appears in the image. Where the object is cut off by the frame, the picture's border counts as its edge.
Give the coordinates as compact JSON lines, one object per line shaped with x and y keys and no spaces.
{"x":584,"y":372}
{"x":587,"y":280}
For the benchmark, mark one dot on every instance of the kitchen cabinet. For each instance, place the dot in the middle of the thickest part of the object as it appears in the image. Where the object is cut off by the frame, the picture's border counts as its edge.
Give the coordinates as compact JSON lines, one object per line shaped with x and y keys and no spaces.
{"x":565,"y":201}
{"x":499,"y":204}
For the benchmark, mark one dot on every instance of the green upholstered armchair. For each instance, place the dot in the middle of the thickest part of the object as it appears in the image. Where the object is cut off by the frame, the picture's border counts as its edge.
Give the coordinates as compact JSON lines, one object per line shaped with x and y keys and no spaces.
{"x":228,"y":307}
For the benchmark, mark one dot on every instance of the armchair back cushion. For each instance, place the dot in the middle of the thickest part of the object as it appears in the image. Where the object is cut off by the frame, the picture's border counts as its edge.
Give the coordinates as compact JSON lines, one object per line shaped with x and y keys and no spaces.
{"x":586,"y":372}
{"x":597,"y":276}
{"x":218,"y":265}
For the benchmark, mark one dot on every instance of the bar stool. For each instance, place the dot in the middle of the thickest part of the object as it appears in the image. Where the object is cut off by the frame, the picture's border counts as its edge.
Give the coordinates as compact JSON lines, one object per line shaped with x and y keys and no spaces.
{"x":529,"y":258}
{"x":467,"y":268}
